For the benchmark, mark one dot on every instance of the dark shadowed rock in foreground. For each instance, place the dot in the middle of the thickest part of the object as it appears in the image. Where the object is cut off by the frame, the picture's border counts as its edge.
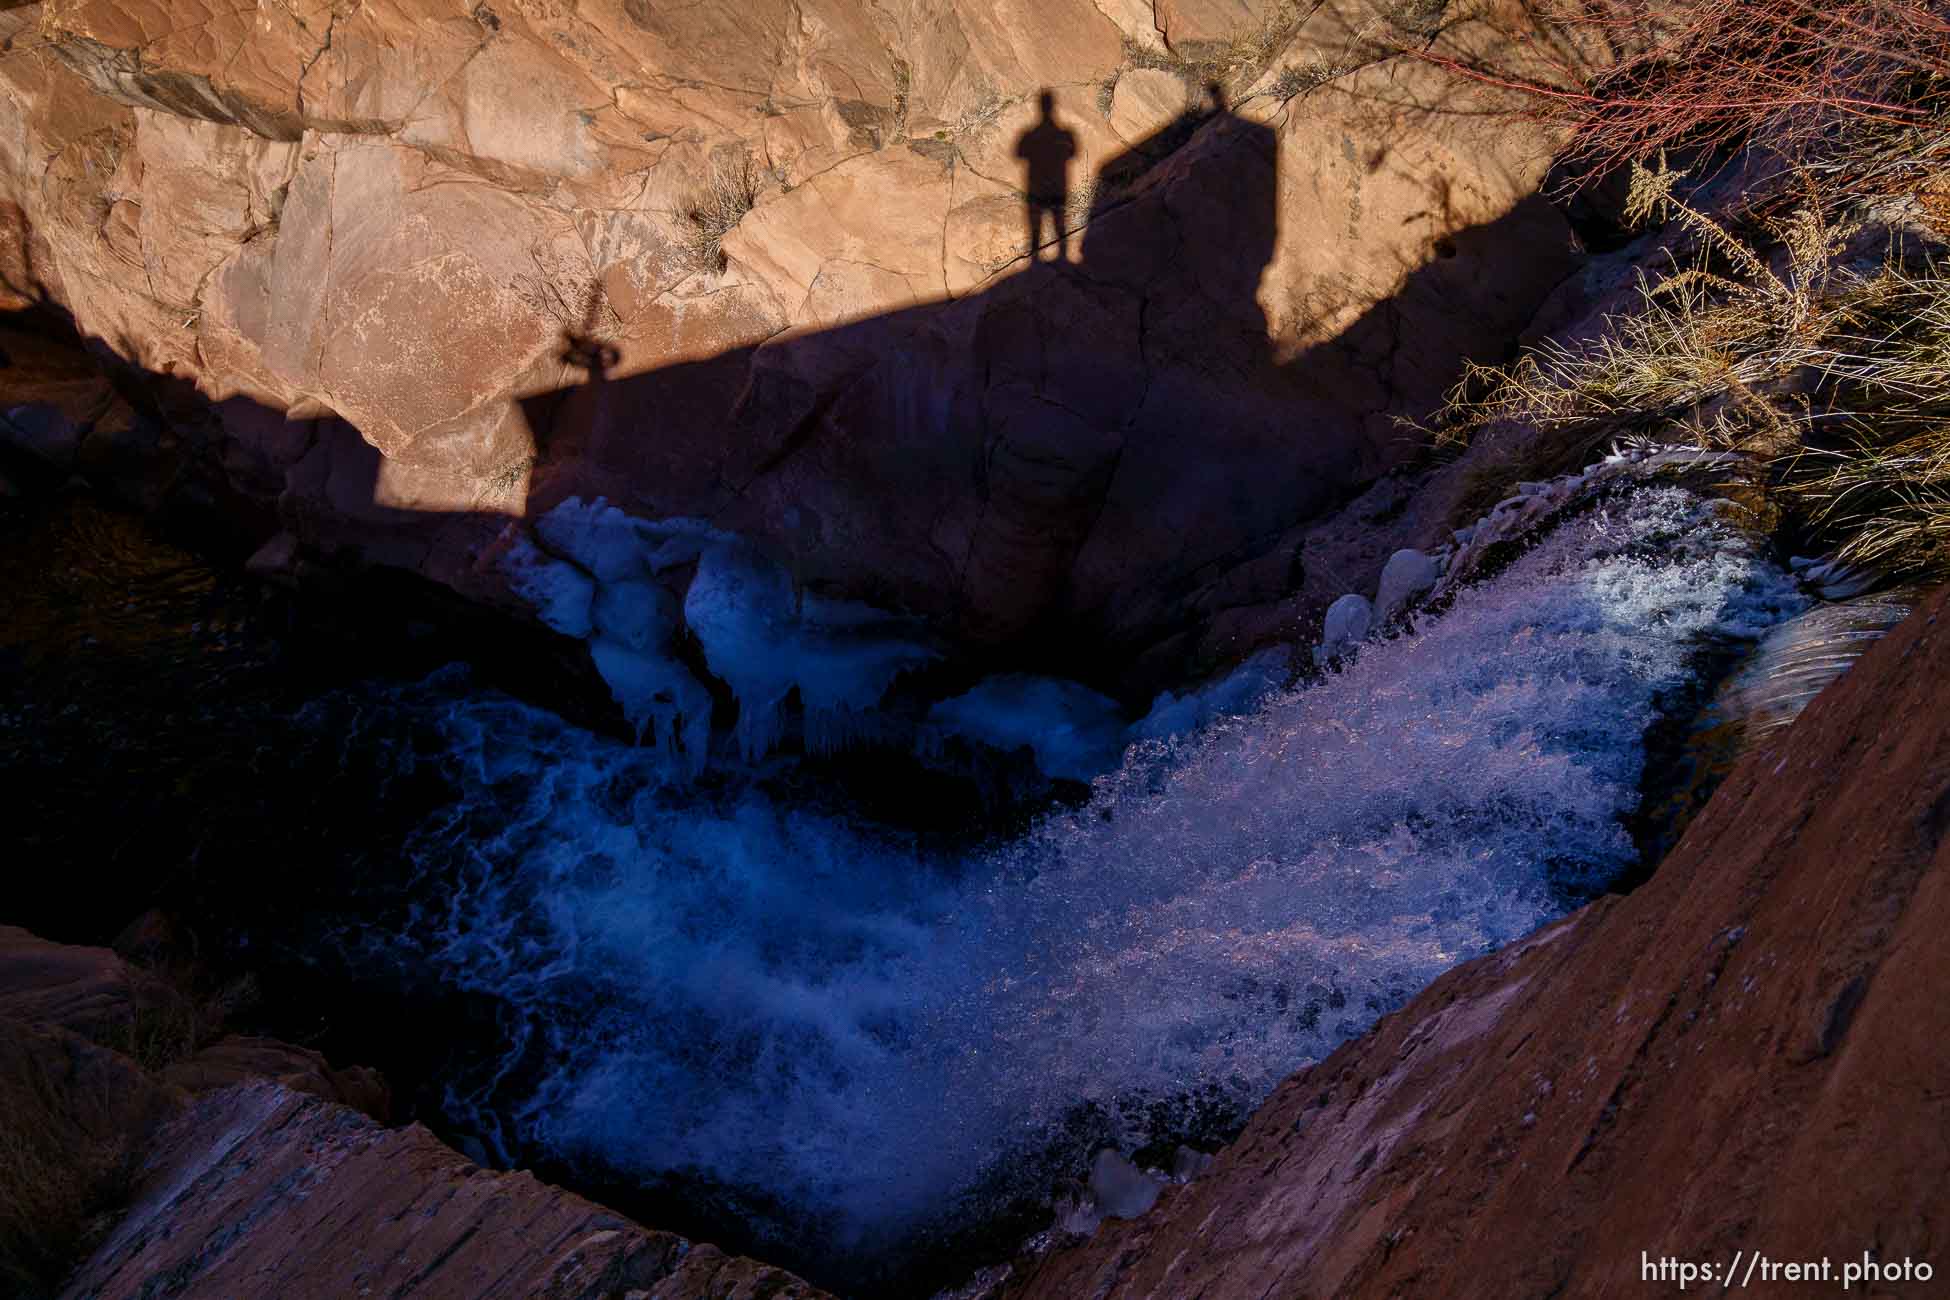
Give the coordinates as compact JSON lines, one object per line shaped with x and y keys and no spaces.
{"x":260,"y":1191}
{"x":238,"y":1172}
{"x":1744,"y":1055}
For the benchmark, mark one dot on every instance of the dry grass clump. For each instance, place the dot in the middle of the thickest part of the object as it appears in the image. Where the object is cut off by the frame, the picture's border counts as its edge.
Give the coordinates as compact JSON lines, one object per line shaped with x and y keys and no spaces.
{"x":1887,"y":486}
{"x":53,"y":1197}
{"x":158,"y":1034}
{"x":716,"y":209}
{"x":1422,"y":18}
{"x":1934,"y":200}
{"x":1082,"y":201}
{"x":1835,"y":379}
{"x":61,"y":1179}
{"x":1297,"y":79}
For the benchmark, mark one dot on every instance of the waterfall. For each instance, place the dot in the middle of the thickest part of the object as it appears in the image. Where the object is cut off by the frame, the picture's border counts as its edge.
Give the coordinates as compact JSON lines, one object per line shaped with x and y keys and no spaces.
{"x":704,"y":980}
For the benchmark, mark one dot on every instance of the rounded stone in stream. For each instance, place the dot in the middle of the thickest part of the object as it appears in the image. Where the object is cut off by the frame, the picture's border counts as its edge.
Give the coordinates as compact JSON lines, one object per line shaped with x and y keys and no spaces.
{"x":1347,"y":623}
{"x":1408,"y":575}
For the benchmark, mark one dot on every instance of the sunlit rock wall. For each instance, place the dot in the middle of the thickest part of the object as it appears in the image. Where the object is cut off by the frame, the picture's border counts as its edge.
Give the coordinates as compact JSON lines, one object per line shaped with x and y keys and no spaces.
{"x":482,"y":242}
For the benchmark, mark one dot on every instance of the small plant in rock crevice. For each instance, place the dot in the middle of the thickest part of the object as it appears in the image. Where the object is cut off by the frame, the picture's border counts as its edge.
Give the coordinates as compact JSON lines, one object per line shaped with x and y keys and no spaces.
{"x":715,"y":210}
{"x":903,"y":88}
{"x":982,"y":114}
{"x":1235,"y":61}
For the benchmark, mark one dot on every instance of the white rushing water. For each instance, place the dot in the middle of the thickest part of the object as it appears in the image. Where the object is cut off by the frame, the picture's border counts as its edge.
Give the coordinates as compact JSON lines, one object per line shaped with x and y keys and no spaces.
{"x":713,"y":982}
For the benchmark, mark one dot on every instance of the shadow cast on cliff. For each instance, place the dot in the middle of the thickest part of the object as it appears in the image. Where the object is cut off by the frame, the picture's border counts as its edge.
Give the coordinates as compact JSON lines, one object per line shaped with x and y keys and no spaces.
{"x":1075,"y":468}
{"x":1078,"y":469}
{"x":1067,"y":467}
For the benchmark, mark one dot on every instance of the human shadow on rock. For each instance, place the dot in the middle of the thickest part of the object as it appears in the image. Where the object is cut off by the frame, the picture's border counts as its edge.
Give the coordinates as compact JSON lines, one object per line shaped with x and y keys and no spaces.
{"x":1046,"y":150}
{"x":1016,"y":463}
{"x":1059,"y":469}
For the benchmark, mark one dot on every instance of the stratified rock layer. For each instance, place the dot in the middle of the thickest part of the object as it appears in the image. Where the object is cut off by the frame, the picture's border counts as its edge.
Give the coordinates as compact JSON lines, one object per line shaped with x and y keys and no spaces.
{"x":1744,"y":1055}
{"x":260,"y":1191}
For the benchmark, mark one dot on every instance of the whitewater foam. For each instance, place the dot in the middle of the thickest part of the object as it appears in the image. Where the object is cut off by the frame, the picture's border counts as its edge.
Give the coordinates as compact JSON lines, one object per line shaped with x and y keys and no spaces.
{"x":703,"y":980}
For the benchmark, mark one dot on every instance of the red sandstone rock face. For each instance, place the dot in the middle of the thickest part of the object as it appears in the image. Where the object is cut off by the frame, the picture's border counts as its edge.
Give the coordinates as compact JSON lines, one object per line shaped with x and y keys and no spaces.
{"x":1746,"y":1054}
{"x":378,"y":224}
{"x":260,"y":1191}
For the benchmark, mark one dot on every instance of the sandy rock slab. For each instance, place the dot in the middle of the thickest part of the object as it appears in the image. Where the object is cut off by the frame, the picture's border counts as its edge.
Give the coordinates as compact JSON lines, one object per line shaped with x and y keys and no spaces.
{"x":259,"y":1191}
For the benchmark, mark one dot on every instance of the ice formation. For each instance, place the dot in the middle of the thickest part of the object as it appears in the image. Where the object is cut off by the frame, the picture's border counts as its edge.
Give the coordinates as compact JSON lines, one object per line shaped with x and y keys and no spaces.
{"x":1075,"y":732}
{"x":1239,"y":691}
{"x":1407,"y":577}
{"x":595,"y":576}
{"x":1799,"y":657}
{"x":1346,"y":626}
{"x":765,"y":639}
{"x":598,"y":584}
{"x":1831,"y":579}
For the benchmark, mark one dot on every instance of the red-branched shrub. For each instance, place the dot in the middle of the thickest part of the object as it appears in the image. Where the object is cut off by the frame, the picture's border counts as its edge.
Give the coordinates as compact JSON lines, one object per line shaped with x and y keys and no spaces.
{"x":1707,"y":72}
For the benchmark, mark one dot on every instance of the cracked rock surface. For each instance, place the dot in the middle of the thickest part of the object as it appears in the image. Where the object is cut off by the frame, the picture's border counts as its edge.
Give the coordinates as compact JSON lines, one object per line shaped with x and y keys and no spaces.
{"x":467,"y":253}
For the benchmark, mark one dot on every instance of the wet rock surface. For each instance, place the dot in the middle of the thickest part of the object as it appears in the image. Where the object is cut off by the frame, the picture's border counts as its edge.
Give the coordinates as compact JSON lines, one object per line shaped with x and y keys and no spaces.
{"x":1678,"y":1072}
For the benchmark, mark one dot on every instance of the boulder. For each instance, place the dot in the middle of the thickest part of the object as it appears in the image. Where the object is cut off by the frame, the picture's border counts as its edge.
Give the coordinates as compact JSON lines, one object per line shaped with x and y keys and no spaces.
{"x":259,"y":1190}
{"x":1345,"y":627}
{"x":1409,"y":575}
{"x":1737,"y":1056}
